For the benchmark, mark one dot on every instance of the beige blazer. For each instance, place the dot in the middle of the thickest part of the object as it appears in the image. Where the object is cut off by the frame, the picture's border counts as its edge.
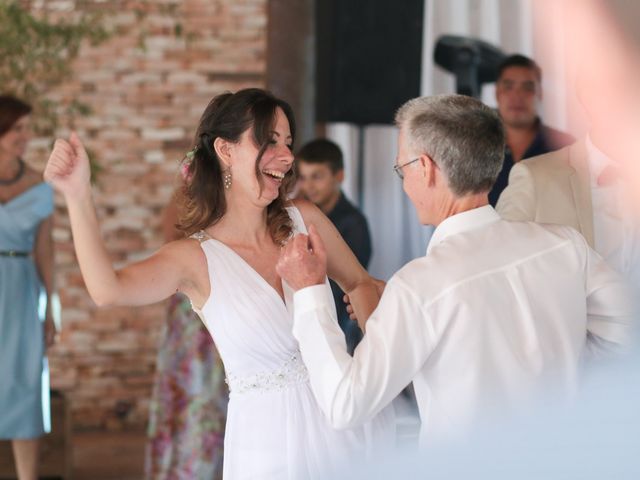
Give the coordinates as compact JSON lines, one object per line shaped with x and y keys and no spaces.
{"x":551,"y":188}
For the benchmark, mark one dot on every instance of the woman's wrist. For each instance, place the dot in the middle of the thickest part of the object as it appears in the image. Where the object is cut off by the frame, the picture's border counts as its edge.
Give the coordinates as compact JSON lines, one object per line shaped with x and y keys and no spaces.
{"x":79,"y":196}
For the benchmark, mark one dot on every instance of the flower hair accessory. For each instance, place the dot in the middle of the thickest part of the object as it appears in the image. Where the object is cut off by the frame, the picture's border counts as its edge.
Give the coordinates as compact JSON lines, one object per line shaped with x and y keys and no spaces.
{"x":186,"y":162}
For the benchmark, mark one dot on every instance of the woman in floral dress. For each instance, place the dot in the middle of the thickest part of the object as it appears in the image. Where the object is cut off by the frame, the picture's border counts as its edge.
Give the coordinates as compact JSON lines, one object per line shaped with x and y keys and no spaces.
{"x":189,"y":403}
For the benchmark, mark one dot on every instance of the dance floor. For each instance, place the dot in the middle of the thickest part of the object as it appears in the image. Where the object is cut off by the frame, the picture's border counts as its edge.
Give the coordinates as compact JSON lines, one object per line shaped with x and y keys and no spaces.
{"x":98,"y":456}
{"x":120,"y":455}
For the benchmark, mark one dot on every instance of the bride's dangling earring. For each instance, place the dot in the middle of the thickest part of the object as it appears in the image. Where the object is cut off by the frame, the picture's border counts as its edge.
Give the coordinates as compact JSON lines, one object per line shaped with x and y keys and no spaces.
{"x":226,"y":179}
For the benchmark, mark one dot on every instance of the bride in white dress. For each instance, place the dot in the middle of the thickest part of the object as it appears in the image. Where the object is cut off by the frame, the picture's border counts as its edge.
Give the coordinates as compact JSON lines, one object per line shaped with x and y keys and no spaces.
{"x":237,"y":216}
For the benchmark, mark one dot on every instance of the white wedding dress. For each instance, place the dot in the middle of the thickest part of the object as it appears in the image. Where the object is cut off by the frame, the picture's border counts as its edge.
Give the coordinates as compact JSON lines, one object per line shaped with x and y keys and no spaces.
{"x":275,"y":429}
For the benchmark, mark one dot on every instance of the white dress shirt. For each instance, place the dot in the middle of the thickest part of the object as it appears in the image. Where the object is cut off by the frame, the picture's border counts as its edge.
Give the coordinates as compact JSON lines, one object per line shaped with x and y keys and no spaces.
{"x":613,"y":227}
{"x":482,"y":320}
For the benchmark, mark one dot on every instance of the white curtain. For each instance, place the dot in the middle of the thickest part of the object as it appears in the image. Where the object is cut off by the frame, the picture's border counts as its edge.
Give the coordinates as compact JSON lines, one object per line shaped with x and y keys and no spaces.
{"x":397,"y":236}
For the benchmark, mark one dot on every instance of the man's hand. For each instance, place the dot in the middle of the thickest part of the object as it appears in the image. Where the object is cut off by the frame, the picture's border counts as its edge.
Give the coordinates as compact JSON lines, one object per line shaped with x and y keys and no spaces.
{"x":379,"y":284}
{"x":303,"y":261}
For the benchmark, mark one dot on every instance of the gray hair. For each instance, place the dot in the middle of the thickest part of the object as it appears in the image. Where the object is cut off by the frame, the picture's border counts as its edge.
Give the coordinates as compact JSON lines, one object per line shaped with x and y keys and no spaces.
{"x":464,"y":137}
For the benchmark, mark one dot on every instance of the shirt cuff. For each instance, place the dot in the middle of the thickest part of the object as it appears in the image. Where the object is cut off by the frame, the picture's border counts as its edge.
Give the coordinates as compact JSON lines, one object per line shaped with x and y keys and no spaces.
{"x":311,"y":298}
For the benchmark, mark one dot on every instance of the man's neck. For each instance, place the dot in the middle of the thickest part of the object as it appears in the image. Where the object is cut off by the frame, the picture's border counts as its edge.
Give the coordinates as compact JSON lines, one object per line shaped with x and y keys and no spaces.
{"x":328,"y":206}
{"x":458,"y":205}
{"x":519,"y":138}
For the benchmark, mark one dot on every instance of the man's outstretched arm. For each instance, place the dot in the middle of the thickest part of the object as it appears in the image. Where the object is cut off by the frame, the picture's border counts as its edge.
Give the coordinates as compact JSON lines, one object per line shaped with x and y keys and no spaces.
{"x":350,"y":390}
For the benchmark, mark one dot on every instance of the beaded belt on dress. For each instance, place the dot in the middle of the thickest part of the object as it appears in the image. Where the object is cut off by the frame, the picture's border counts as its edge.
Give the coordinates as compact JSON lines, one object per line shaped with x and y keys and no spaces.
{"x":291,"y":373}
{"x":13,"y":253}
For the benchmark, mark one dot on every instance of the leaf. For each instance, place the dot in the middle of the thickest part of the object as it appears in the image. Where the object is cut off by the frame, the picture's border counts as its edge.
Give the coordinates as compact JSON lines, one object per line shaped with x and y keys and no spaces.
{"x":37,"y":55}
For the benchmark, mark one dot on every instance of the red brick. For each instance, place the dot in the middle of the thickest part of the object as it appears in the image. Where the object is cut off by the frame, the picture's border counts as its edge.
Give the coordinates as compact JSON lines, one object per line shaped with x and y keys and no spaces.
{"x":145,"y":107}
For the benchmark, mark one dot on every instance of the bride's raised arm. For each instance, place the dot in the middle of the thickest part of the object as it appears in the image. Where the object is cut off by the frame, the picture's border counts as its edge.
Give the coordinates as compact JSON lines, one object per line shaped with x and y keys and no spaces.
{"x":165,"y":272}
{"x":342,"y":265}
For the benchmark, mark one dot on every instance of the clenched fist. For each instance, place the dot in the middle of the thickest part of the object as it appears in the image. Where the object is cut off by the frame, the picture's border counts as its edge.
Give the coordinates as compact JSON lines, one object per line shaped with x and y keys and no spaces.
{"x":303,"y":261}
{"x":68,"y":167}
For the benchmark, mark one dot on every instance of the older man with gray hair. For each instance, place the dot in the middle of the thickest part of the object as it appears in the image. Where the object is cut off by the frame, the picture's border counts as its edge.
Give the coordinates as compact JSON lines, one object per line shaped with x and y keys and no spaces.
{"x":495,"y":311}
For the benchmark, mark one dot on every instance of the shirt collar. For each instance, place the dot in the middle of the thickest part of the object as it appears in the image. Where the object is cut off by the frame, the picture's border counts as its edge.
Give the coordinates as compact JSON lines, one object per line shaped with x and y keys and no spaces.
{"x":596,"y":160}
{"x":463,"y":222}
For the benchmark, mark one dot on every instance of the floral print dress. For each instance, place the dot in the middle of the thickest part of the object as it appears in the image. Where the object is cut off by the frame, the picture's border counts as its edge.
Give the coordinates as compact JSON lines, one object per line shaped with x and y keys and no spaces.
{"x":189,"y":403}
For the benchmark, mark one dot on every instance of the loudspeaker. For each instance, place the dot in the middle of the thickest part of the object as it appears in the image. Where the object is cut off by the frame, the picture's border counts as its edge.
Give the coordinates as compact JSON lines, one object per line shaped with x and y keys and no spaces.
{"x":368,"y":58}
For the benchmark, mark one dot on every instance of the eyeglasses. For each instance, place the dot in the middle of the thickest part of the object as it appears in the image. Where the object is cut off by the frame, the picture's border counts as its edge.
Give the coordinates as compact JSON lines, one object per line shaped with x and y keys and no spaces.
{"x":398,"y":168}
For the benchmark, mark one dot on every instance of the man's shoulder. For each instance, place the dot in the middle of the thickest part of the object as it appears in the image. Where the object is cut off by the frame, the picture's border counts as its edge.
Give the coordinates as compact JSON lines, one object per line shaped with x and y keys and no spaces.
{"x":429,"y":276}
{"x":554,"y":163}
{"x":468,"y":257}
{"x":555,"y":233}
{"x":346,"y":209}
{"x":532,"y":239}
{"x":416,"y":277}
{"x":346,"y":203}
{"x":544,"y":160}
{"x":556,"y":139}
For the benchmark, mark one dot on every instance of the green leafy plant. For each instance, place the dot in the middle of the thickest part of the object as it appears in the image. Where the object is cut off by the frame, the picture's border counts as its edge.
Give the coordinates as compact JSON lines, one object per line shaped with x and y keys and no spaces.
{"x":37,"y":54}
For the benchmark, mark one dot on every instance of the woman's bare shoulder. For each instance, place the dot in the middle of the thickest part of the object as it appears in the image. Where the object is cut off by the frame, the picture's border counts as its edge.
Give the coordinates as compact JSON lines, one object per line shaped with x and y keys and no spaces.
{"x":307,"y":209}
{"x":187,"y":253}
{"x":189,"y":262}
{"x":184,"y":246}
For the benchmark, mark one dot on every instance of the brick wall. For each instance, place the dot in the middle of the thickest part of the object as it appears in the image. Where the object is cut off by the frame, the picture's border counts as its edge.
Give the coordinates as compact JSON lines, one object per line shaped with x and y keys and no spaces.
{"x":147,"y":86}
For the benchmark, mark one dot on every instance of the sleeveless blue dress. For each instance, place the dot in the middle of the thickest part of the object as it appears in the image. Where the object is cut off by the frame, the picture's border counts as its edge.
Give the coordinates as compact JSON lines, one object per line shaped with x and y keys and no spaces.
{"x":24,"y":373}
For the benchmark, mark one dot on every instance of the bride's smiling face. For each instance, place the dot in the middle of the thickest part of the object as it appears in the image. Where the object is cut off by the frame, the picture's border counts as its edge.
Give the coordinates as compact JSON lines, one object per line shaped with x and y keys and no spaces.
{"x":262,"y":184}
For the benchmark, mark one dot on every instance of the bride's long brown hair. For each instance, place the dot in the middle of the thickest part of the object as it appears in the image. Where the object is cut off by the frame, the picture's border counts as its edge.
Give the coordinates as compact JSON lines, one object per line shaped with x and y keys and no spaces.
{"x":228,"y":116}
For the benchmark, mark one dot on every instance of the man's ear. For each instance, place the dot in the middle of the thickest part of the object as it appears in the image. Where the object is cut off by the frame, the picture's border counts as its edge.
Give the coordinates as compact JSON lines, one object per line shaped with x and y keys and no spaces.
{"x":429,"y":169}
{"x":223,"y":150}
{"x":339,"y":176}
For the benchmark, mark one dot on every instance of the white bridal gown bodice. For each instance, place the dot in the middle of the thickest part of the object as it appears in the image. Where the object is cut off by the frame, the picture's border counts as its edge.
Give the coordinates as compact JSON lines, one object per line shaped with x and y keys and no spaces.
{"x":275,"y":429}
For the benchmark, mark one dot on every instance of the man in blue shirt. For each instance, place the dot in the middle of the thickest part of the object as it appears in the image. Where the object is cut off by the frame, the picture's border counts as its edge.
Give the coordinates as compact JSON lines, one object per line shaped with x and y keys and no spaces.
{"x":518,"y":92}
{"x":321,"y":173}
